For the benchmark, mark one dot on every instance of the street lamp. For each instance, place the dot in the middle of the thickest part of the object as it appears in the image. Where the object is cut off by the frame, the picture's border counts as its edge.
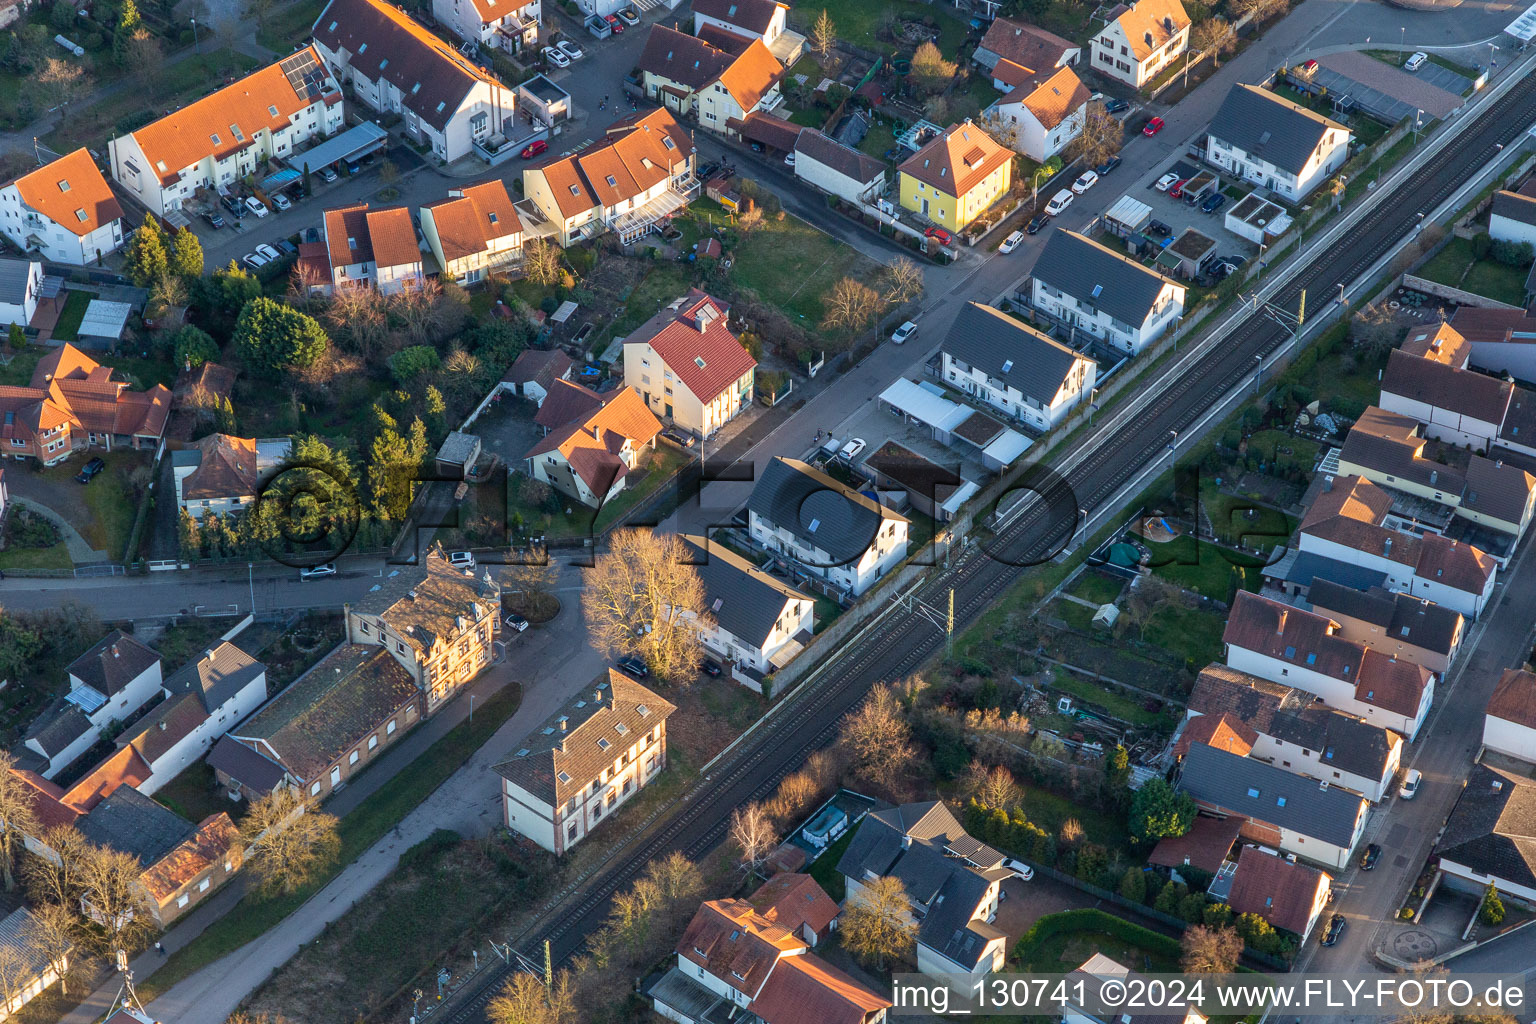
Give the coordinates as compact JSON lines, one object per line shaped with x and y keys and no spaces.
{"x":195,"y":47}
{"x":251,"y":582}
{"x":1083,"y":518}
{"x":1258,"y":369}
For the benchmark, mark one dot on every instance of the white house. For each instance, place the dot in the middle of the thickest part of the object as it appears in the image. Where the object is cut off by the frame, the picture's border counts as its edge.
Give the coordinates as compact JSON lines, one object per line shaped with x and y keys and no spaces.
{"x":754,"y":622}
{"x":1102,"y":968}
{"x":533,"y":374}
{"x":1281,"y":890}
{"x":1092,"y":288}
{"x":592,"y":443}
{"x":220,"y":474}
{"x":1487,"y":838}
{"x":64,"y":211}
{"x":371,"y":248}
{"x":1509,"y":726}
{"x":827,"y":528}
{"x":1141,"y":41}
{"x":1274,"y":142}
{"x":1460,"y":407}
{"x":395,"y":66}
{"x":764,"y":20}
{"x":836,"y":169}
{"x":474,"y":232}
{"x":688,"y":367}
{"x":203,"y":700}
{"x":713,"y":84}
{"x":229,"y":135}
{"x":29,"y":966}
{"x":1014,"y":368}
{"x":113,"y":679}
{"x":1513,"y":217}
{"x":588,"y":759}
{"x":506,"y":25}
{"x":21,"y":282}
{"x":1040,"y":115}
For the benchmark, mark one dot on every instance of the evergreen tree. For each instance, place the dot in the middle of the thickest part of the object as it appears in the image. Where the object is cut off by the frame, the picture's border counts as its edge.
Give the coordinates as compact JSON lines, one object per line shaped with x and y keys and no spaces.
{"x":16,"y":338}
{"x":1492,"y":910}
{"x":1133,"y":885}
{"x":274,"y":338}
{"x":1158,"y":812}
{"x":226,"y":417}
{"x":186,"y":259}
{"x":193,"y":347}
{"x":394,"y":465}
{"x":146,"y":261}
{"x":187,"y":536}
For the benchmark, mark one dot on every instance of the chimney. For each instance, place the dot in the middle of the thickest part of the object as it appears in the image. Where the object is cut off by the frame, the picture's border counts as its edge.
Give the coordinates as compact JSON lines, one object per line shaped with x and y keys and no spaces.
{"x":1323,"y":785}
{"x":1386,"y":545}
{"x":114,"y":651}
{"x":701,"y":324}
{"x":597,"y":696}
{"x":563,"y":721}
{"x":162,"y":725}
{"x":1327,"y":483}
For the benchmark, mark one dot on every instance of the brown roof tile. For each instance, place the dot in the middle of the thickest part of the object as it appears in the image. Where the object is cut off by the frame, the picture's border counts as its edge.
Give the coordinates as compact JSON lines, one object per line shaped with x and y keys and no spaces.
{"x":794,"y":901}
{"x":846,"y":161}
{"x":431,"y":603}
{"x":539,"y":366}
{"x":1026,"y":45}
{"x":1514,"y":698}
{"x":1498,"y":489}
{"x":1440,"y":342}
{"x":1476,"y":323}
{"x":957,"y":160}
{"x":1204,"y":846}
{"x":754,"y":15}
{"x":807,"y":990}
{"x":216,"y":839}
{"x":227,"y":468}
{"x":732,"y":942}
{"x":1446,"y":387}
{"x":114,"y":662}
{"x":346,"y":235}
{"x":1278,"y":890}
{"x":1222,"y":730}
{"x":71,"y":192}
{"x":392,"y":237}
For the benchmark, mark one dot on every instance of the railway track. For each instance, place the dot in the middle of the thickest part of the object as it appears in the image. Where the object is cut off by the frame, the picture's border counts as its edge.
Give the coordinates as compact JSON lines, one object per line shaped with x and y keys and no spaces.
{"x":907,"y":639}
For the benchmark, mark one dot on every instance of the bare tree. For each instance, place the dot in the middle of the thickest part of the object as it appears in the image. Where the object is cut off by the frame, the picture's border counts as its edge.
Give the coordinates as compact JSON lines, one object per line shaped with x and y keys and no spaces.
{"x":291,"y":842}
{"x":56,"y":935}
{"x":754,"y":836}
{"x":1214,"y":36}
{"x":676,"y":878}
{"x":931,"y":72}
{"x":1071,"y":832}
{"x":303,"y":283}
{"x":414,"y":306}
{"x":17,"y":819}
{"x":16,"y":973}
{"x":643,"y":598}
{"x":1374,"y":331}
{"x":56,"y":879}
{"x":850,"y":305}
{"x":877,"y":922}
{"x":60,"y":81}
{"x":357,"y":313}
{"x":114,"y":898}
{"x":530,"y":581}
{"x":992,"y":786}
{"x":522,"y":1000}
{"x":823,"y":35}
{"x":901,"y":281}
{"x":144,"y":54}
{"x":1260,"y":10}
{"x":1210,"y":950}
{"x":541,"y":261}
{"x":750,"y":219}
{"x":878,"y":739}
{"x":1101,"y":138}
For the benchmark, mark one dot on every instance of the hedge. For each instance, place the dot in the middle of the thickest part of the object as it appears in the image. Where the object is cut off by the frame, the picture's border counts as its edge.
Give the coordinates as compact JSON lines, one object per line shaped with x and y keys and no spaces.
{"x":1089,"y":919}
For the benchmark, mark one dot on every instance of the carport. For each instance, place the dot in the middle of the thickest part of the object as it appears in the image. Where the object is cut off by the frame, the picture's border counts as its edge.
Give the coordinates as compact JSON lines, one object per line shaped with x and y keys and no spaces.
{"x":1386,"y":93}
{"x":352,"y":144}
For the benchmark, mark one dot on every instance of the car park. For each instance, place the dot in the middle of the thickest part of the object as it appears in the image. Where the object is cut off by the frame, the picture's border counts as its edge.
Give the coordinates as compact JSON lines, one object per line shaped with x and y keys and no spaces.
{"x":254,"y":260}
{"x":1011,"y":242}
{"x":327,"y":174}
{"x":1212,"y":202}
{"x":939,"y":235}
{"x":1084,"y":182}
{"x":1410,"y":786}
{"x":629,"y":16}
{"x":1177,"y":191}
{"x":615,"y":24}
{"x":1158,"y":228}
{"x":1115,"y":106}
{"x":214,"y":218}
{"x":281,"y":202}
{"x":852,"y":448}
{"x":902,"y":333}
{"x":710,"y":667}
{"x":1415,"y":62}
{"x":534,"y":148}
{"x":1059,"y":202}
{"x":314,"y":572}
{"x":570,"y":49}
{"x":1334,"y":930}
{"x":633,"y":667}
{"x":1369,"y":858}
{"x":1153,"y":127}
{"x":1107,"y":166}
{"x":256,"y":206}
{"x":1036,"y":222}
{"x":678,"y":437}
{"x":555,"y":57}
{"x":1167,"y":181}
{"x":88,"y":473}
{"x":461,"y":559}
{"x":515,"y":622}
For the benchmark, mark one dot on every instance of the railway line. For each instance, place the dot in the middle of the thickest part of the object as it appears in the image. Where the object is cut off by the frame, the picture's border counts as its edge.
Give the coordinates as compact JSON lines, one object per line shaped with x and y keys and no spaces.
{"x":906,"y":638}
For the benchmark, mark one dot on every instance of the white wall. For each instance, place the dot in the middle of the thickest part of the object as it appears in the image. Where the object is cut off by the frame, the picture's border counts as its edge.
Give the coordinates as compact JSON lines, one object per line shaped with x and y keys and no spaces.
{"x":1477,"y":882}
{"x":834,"y":182}
{"x":70,"y":754}
{"x":886,"y":550}
{"x":1443,"y":424}
{"x":775,"y":26}
{"x":129,"y":699}
{"x":196,"y":743}
{"x":59,"y":244}
{"x":1509,"y":738}
{"x":1335,"y":692}
{"x":1504,"y":229}
{"x":1291,"y":757}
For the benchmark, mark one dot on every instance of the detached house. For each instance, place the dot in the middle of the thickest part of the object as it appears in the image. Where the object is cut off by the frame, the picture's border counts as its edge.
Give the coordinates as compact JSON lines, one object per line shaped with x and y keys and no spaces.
{"x":64,"y":211}
{"x":534,"y":373}
{"x":1023,"y":45}
{"x":1509,"y":725}
{"x":107,"y":683}
{"x":763,"y":20}
{"x":688,"y":367}
{"x":713,"y":80}
{"x":1013,"y":367}
{"x":629,"y":181}
{"x":1140,"y":41}
{"x":396,"y":66}
{"x":1488,"y":837}
{"x":954,"y":178}
{"x":1281,"y":890}
{"x":592,"y":442}
{"x":836,"y":169}
{"x":755,"y":622}
{"x":1088,"y":287}
{"x":1273,"y":142}
{"x":508,"y":25}
{"x":1044,"y":112}
{"x":474,"y":232}
{"x":371,"y":248}
{"x":1457,"y":406}
{"x":1513,"y":217}
{"x":226,"y":136}
{"x":73,"y":404}
{"x":588,"y":759}
{"x":220,"y":474}
{"x":827,"y":528}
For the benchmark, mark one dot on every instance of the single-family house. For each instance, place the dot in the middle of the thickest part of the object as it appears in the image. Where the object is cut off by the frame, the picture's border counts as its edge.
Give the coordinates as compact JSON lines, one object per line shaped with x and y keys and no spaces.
{"x":474,"y":232}
{"x":1205,"y":847}
{"x":955,"y":177}
{"x":1013,"y":367}
{"x":370,"y":249}
{"x":438,"y":621}
{"x":74,"y":404}
{"x":21,"y":284}
{"x":113,"y":679}
{"x":584,"y":762}
{"x":396,"y":66}
{"x":1513,"y":215}
{"x":754,"y":622}
{"x":631,"y":179}
{"x":1023,"y":45}
{"x":1304,"y":649}
{"x":1458,"y":406}
{"x":836,"y":169}
{"x":1282,"y":890}
{"x":952,"y":880}
{"x":1489,"y":835}
{"x":221,"y":474}
{"x":688,"y":367}
{"x":1274,"y":142}
{"x":533,"y":373}
{"x":30,"y":965}
{"x":825,"y":527}
{"x":1041,"y":113}
{"x":764,"y":20}
{"x":1509,"y":725}
{"x":228,"y":135}
{"x":713,"y":79}
{"x":1101,"y":968}
{"x":1283,"y":811}
{"x":1090,"y":287}
{"x":63,"y":211}
{"x":206,"y":698}
{"x":1140,"y":41}
{"x":593,"y":442}
{"x":796,"y":902}
{"x":1401,"y":625}
{"x":508,"y":25}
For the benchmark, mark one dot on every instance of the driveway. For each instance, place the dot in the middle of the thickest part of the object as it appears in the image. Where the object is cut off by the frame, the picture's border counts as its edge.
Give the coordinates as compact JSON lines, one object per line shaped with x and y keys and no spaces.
{"x":1025,"y":903}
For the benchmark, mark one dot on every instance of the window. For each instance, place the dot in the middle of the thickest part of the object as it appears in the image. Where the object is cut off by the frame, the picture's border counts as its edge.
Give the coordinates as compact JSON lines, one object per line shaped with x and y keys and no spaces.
{"x":570,"y":834}
{"x":1253,"y":792}
{"x":203,"y":885}
{"x":229,"y":865}
{"x":373,"y":741}
{"x":183,"y":900}
{"x":603,"y":744}
{"x":314,"y":790}
{"x":563,"y":777}
{"x":64,"y":186}
{"x":216,"y":140}
{"x":389,"y":730}
{"x":1280,"y":802}
{"x":362,"y":627}
{"x":352,"y":757}
{"x":399,"y":646}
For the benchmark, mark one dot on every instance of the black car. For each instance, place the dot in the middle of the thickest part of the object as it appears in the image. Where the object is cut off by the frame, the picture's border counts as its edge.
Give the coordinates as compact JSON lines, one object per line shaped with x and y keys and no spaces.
{"x":214,"y":218}
{"x":634,"y":668}
{"x":93,"y":467}
{"x":234,"y":206}
{"x":1039,"y":222}
{"x":678,"y":437}
{"x":1117,"y":105}
{"x":1212,"y":202}
{"x":311,"y":234}
{"x":1369,"y":858}
{"x":1334,"y":930}
{"x":286,"y":247}
{"x":1158,"y":228}
{"x":1107,"y":166}
{"x":1235,"y":260}
{"x":710,"y":667}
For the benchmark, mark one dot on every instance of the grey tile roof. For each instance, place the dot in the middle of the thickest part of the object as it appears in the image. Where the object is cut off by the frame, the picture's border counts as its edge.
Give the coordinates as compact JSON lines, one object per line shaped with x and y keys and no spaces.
{"x":1424,"y":624}
{"x":950,"y":926}
{"x":60,"y":725}
{"x":1493,"y":830}
{"x":18,"y":933}
{"x":828,"y":152}
{"x":1288,"y":801}
{"x":1308,"y":567}
{"x":1270,"y":128}
{"x":1497,"y":488}
{"x":1519,"y":426}
{"x":13,"y":280}
{"x":743,"y":599}
{"x":820,"y":511}
{"x":1077,"y":266}
{"x":996,"y":343}
{"x":251,"y":768}
{"x":1514,"y":206}
{"x":216,"y":676}
{"x":132,"y":823}
{"x":113,"y":663}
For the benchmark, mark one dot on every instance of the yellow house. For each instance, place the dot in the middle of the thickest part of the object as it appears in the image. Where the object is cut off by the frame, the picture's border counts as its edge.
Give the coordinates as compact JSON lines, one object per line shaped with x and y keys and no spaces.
{"x":952,"y":179}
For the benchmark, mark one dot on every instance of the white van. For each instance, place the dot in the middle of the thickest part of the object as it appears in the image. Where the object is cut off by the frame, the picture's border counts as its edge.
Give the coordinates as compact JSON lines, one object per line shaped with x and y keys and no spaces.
{"x":1060,"y":201}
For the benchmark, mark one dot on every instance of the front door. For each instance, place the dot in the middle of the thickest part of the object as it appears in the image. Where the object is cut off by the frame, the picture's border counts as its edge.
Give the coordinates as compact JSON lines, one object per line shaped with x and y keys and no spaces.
{"x":669,"y":410}
{"x":335,"y":776}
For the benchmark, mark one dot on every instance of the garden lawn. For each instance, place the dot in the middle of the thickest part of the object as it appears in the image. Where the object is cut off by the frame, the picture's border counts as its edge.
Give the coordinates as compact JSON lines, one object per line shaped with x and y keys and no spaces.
{"x":1498,"y":281}
{"x":195,"y":794}
{"x":67,"y":328}
{"x":1091,"y":691}
{"x":1058,"y":943}
{"x":1193,"y":632}
{"x":283,"y":29}
{"x":855,"y":21}
{"x":793,"y":265}
{"x":1198,"y":566}
{"x":55,"y":557}
{"x":824,"y":868}
{"x":1095,"y":587}
{"x":879,"y":141}
{"x":1050,"y":810}
{"x":18,"y":372}
{"x":1449,"y":264}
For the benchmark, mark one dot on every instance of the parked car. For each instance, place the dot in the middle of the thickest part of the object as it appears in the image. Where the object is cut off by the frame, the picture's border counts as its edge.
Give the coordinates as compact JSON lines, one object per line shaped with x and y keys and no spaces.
{"x":1369,"y":858}
{"x":256,"y":206}
{"x":902,"y":333}
{"x":940,"y":235}
{"x":1235,"y":260}
{"x":1107,"y":166}
{"x":534,"y":148}
{"x":852,"y":448}
{"x":214,"y":218}
{"x":710,"y":667}
{"x":282,"y":202}
{"x":254,"y":260}
{"x":89,"y":471}
{"x":555,"y":57}
{"x":629,"y":16}
{"x":1167,"y":181}
{"x":1059,"y":202}
{"x":327,"y":174}
{"x":1084,"y":182}
{"x":633,"y":667}
{"x":314,"y":572}
{"x":1158,"y":228}
{"x":1037,"y":222}
{"x":678,"y":437}
{"x":1011,"y":243}
{"x":1410,"y":786}
{"x":515,"y":622}
{"x":311,"y":234}
{"x":1309,"y":67}
{"x":286,"y":247}
{"x":615,"y":24}
{"x":269,"y":252}
{"x":1114,"y":106}
{"x":233,"y":205}
{"x":1415,"y":62}
{"x":598,"y":26}
{"x":570,"y":49}
{"x":1334,"y":930}
{"x":1177,"y":191}
{"x":461,"y":559}
{"x":1212,"y":202}
{"x":1021,"y":871}
{"x":1153,"y":127}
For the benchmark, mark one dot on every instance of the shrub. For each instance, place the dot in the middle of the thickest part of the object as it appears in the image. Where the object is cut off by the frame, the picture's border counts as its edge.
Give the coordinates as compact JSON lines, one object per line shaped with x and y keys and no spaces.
{"x":1492,"y":910}
{"x":1481,"y":244}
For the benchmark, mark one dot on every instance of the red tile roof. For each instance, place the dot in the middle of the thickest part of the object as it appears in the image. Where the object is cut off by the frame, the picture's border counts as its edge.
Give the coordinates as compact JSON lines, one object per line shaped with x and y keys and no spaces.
{"x":469,"y":222}
{"x":1052,"y":100}
{"x":71,"y":192}
{"x":807,"y":990}
{"x":957,"y":160}
{"x":635,"y":153}
{"x":1025,"y":45}
{"x":731,"y":941}
{"x":592,"y":443}
{"x":346,"y":235}
{"x":1440,"y":342}
{"x":1204,"y":846}
{"x":697,"y":345}
{"x":1223,"y":731}
{"x":795,"y":901}
{"x":70,"y":388}
{"x":1278,"y":890}
{"x":1514,"y":698}
{"x":392,"y":237}
{"x":216,"y":838}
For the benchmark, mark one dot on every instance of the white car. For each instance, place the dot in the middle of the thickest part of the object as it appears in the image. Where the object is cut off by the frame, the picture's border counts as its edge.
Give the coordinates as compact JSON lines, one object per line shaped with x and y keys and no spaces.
{"x":1020,"y":870}
{"x":1415,"y":62}
{"x":852,"y":448}
{"x":326,"y":174}
{"x":1166,"y":182}
{"x":1059,"y":202}
{"x":255,"y":260}
{"x":281,"y":201}
{"x":256,"y":206}
{"x":462,"y":559}
{"x":1410,"y":786}
{"x":902,"y":333}
{"x":269,"y":252}
{"x":555,"y":57}
{"x":1011,"y":243}
{"x":1085,"y":181}
{"x":314,"y":572}
{"x":570,"y":49}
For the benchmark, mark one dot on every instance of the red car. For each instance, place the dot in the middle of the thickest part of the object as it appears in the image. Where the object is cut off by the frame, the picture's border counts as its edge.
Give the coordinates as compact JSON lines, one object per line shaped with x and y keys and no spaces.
{"x":1153,"y":126}
{"x":940,"y":235}
{"x":614,"y":23}
{"x":1177,"y":192}
{"x":534,"y":148}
